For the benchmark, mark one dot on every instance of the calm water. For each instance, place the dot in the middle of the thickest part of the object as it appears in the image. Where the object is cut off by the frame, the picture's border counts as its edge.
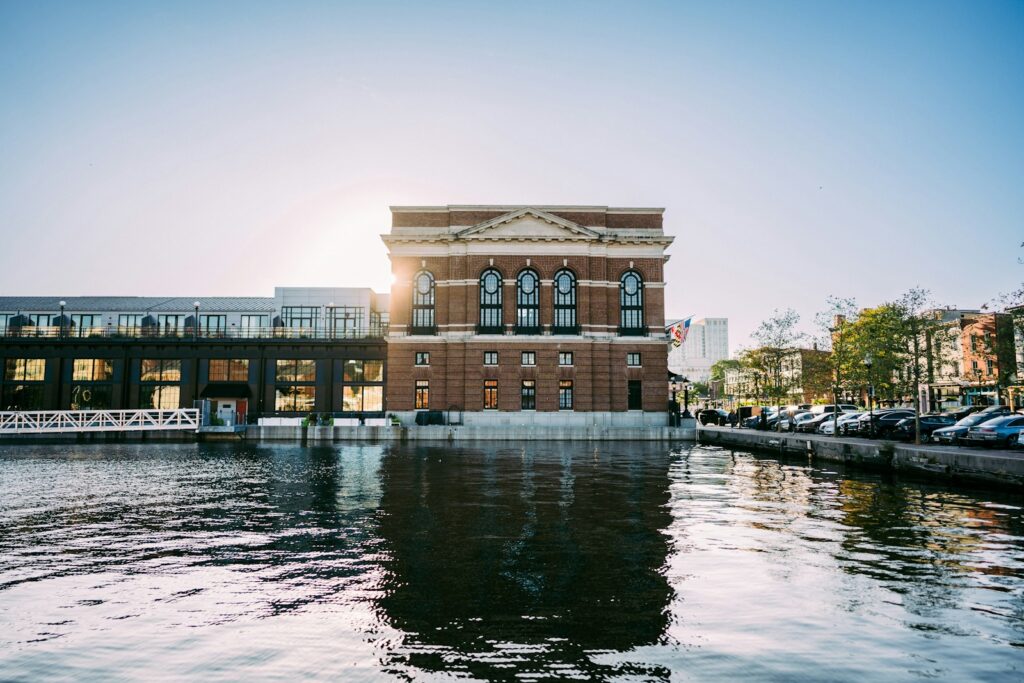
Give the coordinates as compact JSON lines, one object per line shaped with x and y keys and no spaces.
{"x":624,"y":562}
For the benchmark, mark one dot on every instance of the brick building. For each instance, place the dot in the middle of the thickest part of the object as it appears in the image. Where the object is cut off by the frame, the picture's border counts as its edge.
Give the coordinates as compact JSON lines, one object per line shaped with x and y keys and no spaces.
{"x":528,"y":314}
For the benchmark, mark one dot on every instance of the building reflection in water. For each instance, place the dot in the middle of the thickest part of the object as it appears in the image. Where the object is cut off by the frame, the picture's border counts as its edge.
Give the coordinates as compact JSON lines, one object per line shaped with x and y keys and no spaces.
{"x":525,"y":559}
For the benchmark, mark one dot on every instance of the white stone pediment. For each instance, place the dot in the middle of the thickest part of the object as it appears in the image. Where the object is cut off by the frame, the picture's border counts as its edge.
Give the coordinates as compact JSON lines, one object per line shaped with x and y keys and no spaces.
{"x":525,"y":224}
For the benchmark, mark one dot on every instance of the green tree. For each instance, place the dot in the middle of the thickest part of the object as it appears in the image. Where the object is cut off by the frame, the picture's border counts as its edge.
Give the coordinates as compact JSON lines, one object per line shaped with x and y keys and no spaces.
{"x":773,"y":359}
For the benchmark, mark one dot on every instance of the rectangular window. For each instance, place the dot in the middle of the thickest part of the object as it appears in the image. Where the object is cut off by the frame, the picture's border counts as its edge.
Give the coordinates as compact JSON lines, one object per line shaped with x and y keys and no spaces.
{"x":490,"y":394}
{"x":233,"y":370}
{"x":490,"y":357}
{"x":23,"y":397}
{"x":528,"y":395}
{"x":363,"y":399}
{"x":128,"y":323}
{"x":252,"y":324}
{"x":974,"y":342}
{"x":300,"y":317}
{"x":974,"y":365}
{"x":290,"y":371}
{"x":529,"y":358}
{"x":213,"y":323}
{"x":422,"y":394}
{"x":346,"y":321}
{"x":92,"y":396}
{"x":364,"y":371}
{"x":634,"y":395}
{"x":4,"y":317}
{"x":163,"y":370}
{"x":990,"y":366}
{"x":40,"y":319}
{"x":565,"y":358}
{"x":92,"y":370}
{"x":24,"y":369}
{"x":83,"y":324}
{"x":422,"y":358}
{"x":160,"y":396}
{"x":170,"y":324}
{"x":565,"y":394}
{"x":295,"y":399}
{"x":633,"y":360}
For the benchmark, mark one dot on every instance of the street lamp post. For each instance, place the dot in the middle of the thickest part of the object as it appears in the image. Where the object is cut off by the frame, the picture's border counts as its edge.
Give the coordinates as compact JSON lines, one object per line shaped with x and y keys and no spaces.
{"x":195,"y":321}
{"x":686,"y":399}
{"x":331,"y":321}
{"x":868,"y":362}
{"x":675,"y":386}
{"x":60,"y":320}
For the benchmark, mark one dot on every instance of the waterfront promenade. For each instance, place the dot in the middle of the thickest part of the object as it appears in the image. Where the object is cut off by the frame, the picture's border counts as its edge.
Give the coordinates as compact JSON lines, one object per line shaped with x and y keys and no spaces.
{"x":989,"y":466}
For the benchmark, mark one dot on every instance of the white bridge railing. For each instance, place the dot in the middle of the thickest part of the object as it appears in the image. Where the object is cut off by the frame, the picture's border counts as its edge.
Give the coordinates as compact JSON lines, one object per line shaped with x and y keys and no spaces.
{"x":70,"y":421}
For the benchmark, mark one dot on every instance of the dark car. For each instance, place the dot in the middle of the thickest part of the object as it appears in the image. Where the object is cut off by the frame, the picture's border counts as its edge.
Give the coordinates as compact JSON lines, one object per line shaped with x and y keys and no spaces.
{"x":904,"y":429}
{"x":811,"y":426}
{"x":881,"y":423}
{"x":1002,"y":431}
{"x":955,"y":433}
{"x":713,"y":416}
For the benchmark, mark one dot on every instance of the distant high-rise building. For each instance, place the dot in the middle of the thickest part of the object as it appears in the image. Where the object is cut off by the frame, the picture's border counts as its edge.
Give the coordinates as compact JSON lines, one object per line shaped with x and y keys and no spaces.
{"x":707,"y":342}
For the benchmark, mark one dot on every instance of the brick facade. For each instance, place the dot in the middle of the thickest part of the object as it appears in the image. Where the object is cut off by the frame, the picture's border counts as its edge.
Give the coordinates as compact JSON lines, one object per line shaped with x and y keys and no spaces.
{"x":450,"y":245}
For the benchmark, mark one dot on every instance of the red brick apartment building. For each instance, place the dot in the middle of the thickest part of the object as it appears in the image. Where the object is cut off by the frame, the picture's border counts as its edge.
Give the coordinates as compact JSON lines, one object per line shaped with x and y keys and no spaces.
{"x":547,"y":315}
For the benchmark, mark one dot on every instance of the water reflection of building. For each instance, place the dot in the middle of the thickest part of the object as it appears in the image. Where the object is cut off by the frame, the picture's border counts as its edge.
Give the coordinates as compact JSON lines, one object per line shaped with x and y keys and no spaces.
{"x":531,"y":557}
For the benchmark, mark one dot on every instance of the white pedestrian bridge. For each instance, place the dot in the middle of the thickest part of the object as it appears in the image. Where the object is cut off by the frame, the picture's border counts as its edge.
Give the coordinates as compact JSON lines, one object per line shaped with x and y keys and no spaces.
{"x":73,"y":421}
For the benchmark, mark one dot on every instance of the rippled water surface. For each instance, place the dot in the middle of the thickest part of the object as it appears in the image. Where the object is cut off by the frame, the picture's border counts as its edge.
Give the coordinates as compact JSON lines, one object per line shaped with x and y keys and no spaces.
{"x":554,"y":561}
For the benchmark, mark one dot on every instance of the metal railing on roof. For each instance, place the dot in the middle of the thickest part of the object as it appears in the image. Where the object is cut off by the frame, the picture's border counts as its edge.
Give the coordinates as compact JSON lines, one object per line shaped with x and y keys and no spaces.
{"x":187,"y":333}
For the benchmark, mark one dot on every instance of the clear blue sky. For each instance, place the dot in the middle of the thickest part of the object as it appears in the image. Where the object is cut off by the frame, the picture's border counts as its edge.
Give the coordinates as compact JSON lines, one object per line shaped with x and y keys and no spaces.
{"x":800,"y":149}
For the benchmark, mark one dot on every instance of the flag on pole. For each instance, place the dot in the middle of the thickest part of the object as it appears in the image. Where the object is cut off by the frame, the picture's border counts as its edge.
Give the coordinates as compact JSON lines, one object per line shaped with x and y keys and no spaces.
{"x":679,"y":332}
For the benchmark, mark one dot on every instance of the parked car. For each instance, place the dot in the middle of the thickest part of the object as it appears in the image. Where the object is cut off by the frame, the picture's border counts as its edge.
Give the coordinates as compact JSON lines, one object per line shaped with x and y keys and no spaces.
{"x":1002,"y":431}
{"x":904,"y":429}
{"x":881,"y":423}
{"x":714,"y":416}
{"x":793,"y":423}
{"x":843,"y":422}
{"x":958,"y":431}
{"x":811,"y":426}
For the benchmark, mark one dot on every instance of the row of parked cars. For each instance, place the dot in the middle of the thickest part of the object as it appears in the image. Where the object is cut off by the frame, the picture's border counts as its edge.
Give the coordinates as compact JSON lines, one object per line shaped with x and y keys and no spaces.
{"x":991,"y":426}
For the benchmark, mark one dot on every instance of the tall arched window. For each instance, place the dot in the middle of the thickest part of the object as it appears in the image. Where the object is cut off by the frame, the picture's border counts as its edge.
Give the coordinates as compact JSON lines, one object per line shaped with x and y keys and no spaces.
{"x":490,"y":302}
{"x":423,"y":303}
{"x":528,"y":303}
{"x":631,"y":304}
{"x":565,"y":302}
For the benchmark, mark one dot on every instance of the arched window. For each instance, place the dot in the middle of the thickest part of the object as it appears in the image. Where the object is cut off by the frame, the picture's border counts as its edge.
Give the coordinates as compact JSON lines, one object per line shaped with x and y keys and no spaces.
{"x":631,"y":304}
{"x":528,"y":303}
{"x":490,"y":302}
{"x":423,"y":303}
{"x":565,"y":303}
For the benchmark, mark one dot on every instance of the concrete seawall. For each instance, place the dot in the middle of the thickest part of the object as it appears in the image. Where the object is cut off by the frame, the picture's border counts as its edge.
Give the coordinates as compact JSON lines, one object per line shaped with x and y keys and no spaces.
{"x":1005,"y":468}
{"x":469,"y":433}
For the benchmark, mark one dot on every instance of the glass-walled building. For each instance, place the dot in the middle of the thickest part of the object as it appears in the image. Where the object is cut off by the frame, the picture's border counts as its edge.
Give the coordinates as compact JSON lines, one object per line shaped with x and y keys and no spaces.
{"x":304,"y":350}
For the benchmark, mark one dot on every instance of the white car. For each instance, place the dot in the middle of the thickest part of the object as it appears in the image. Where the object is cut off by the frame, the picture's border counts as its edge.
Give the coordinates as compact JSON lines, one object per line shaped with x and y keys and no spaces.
{"x":828,"y":426}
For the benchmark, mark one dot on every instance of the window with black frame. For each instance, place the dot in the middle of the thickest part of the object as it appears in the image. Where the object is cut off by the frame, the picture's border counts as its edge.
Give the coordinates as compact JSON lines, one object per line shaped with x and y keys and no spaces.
{"x":528,"y":395}
{"x":363,"y":389}
{"x":423,"y":303}
{"x":228,"y":370}
{"x":490,"y":303}
{"x":565,"y":303}
{"x":631,"y":304}
{"x":295,"y":389}
{"x":160,"y":384}
{"x":565,"y":394}
{"x":528,"y":303}
{"x":23,"y":383}
{"x":92,"y":387}
{"x":490,"y":394}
